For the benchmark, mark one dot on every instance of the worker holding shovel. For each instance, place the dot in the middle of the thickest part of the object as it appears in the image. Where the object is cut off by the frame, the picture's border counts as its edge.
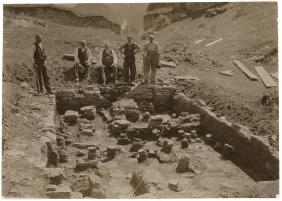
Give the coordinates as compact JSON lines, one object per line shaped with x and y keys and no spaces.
{"x":38,"y":59}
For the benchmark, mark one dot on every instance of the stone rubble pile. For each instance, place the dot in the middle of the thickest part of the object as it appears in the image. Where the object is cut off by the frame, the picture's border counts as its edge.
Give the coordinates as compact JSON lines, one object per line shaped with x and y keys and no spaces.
{"x":74,"y":100}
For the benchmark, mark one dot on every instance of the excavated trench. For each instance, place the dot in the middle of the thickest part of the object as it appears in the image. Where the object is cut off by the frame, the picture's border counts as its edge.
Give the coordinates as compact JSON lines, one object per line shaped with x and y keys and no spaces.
{"x":112,"y":135}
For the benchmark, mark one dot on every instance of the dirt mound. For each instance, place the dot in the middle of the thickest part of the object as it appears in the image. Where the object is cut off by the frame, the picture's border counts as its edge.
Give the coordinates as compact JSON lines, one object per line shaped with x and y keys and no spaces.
{"x":188,"y":55}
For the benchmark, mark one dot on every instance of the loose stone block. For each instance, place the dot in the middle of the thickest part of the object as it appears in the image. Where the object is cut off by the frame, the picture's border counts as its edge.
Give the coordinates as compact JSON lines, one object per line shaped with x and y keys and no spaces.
{"x":184,"y":161}
{"x":88,"y":112}
{"x":111,"y":151}
{"x":181,"y":133}
{"x":88,"y":132}
{"x":56,"y":175}
{"x":71,"y":116}
{"x":62,"y":192}
{"x":63,"y":156}
{"x":68,"y":93}
{"x":146,"y":115}
{"x":228,"y":149}
{"x":92,"y":153}
{"x":61,"y":141}
{"x":184,"y":143}
{"x":187,"y":135}
{"x":209,"y":138}
{"x":141,"y":155}
{"x":193,"y":134}
{"x":167,"y":146}
{"x":137,"y":144}
{"x":80,"y":153}
{"x":173,"y":185}
{"x":218,"y":145}
{"x":51,"y":188}
{"x":184,"y":114}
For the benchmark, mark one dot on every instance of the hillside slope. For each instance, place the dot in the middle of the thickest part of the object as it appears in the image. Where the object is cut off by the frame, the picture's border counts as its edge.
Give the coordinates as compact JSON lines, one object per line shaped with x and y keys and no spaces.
{"x":249,"y":32}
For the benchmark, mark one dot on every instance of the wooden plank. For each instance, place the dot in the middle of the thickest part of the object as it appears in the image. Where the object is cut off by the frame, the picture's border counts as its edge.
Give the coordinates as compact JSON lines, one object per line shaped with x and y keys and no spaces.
{"x":246,"y":70}
{"x":274,"y":75}
{"x":199,"y":41}
{"x":186,"y":77}
{"x":227,"y":72}
{"x":214,"y":42}
{"x":267,"y":80}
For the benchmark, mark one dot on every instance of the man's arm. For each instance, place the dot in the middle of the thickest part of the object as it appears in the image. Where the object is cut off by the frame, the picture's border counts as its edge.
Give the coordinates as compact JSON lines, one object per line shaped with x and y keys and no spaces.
{"x":114,"y":57}
{"x":31,"y":53}
{"x":89,"y":53}
{"x":76,"y":56}
{"x":121,"y":48}
{"x":100,"y":58}
{"x":137,"y":48}
{"x":157,"y":47}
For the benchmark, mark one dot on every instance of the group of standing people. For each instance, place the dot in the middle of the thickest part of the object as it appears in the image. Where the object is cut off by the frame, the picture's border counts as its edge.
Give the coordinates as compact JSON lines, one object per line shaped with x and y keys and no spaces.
{"x":107,"y":59}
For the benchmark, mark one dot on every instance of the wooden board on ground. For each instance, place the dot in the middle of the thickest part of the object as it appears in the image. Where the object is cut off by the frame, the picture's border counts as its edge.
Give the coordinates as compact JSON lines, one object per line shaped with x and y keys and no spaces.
{"x":267,"y":80}
{"x":227,"y":72}
{"x":274,"y":75}
{"x":199,"y":41}
{"x":69,"y":57}
{"x":246,"y":70}
{"x":186,"y":77}
{"x":167,"y":64}
{"x":214,"y":42}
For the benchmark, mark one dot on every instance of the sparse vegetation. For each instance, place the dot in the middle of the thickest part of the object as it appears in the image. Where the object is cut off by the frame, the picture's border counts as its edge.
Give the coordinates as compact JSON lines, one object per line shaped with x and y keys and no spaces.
{"x":238,"y":12}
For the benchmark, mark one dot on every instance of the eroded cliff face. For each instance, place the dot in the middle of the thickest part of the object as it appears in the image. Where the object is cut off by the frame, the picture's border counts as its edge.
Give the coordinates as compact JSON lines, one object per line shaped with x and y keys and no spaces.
{"x":64,"y":17}
{"x":160,"y":15}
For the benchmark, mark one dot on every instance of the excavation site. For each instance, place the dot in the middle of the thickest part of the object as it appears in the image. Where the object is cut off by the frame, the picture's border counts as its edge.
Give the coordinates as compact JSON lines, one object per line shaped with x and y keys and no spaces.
{"x":140,"y":101}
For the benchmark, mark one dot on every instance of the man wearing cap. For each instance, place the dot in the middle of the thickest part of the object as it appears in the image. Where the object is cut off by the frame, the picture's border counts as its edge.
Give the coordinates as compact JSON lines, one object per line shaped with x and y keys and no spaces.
{"x":129,"y":49}
{"x":82,"y":57}
{"x":108,"y":59}
{"x":38,"y":56}
{"x":151,"y":54}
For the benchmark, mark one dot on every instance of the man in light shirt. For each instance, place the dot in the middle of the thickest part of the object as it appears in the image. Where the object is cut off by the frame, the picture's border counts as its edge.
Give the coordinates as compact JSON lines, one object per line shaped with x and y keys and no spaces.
{"x":38,"y":58}
{"x":108,"y":59}
{"x":151,"y":54}
{"x":82,"y":57}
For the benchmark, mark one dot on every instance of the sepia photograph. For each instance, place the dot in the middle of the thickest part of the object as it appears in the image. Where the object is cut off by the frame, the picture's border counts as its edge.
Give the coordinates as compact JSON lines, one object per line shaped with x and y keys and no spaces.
{"x":147,"y":100}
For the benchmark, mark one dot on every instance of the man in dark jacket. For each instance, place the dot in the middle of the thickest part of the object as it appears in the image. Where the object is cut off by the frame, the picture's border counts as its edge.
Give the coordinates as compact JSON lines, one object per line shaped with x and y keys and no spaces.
{"x":38,"y":58}
{"x":82,"y":57}
{"x":129,"y":49}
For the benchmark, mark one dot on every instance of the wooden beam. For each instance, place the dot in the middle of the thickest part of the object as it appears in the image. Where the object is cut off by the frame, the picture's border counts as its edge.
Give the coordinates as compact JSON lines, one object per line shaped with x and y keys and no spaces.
{"x":216,"y":41}
{"x":267,"y":80}
{"x":246,"y":70}
{"x":199,"y":41}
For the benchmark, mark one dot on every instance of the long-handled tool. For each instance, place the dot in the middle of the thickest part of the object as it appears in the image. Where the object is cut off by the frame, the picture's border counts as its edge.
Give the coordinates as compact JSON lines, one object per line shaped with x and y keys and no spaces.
{"x":37,"y":81}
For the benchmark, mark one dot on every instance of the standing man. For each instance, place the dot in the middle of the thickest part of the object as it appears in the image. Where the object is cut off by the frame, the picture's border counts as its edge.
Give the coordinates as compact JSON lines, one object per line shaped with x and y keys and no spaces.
{"x":38,"y":57}
{"x":108,"y":59}
{"x":82,"y":57}
{"x":151,"y":54}
{"x":129,"y":49}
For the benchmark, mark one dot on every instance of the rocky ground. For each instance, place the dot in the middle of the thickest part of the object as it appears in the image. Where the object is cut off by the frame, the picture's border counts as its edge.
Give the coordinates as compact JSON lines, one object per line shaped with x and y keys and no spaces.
{"x":227,"y":96}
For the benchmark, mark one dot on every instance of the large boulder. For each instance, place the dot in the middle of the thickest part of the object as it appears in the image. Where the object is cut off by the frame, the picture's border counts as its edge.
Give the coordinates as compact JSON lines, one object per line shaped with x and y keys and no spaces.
{"x":120,"y":126}
{"x":80,"y":184}
{"x":95,"y":187}
{"x":127,"y":104}
{"x":151,"y":183}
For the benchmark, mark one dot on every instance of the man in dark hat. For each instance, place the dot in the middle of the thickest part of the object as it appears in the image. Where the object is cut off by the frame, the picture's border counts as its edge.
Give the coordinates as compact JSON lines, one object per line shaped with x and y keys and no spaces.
{"x":82,"y":57}
{"x":129,"y":49}
{"x":38,"y":58}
